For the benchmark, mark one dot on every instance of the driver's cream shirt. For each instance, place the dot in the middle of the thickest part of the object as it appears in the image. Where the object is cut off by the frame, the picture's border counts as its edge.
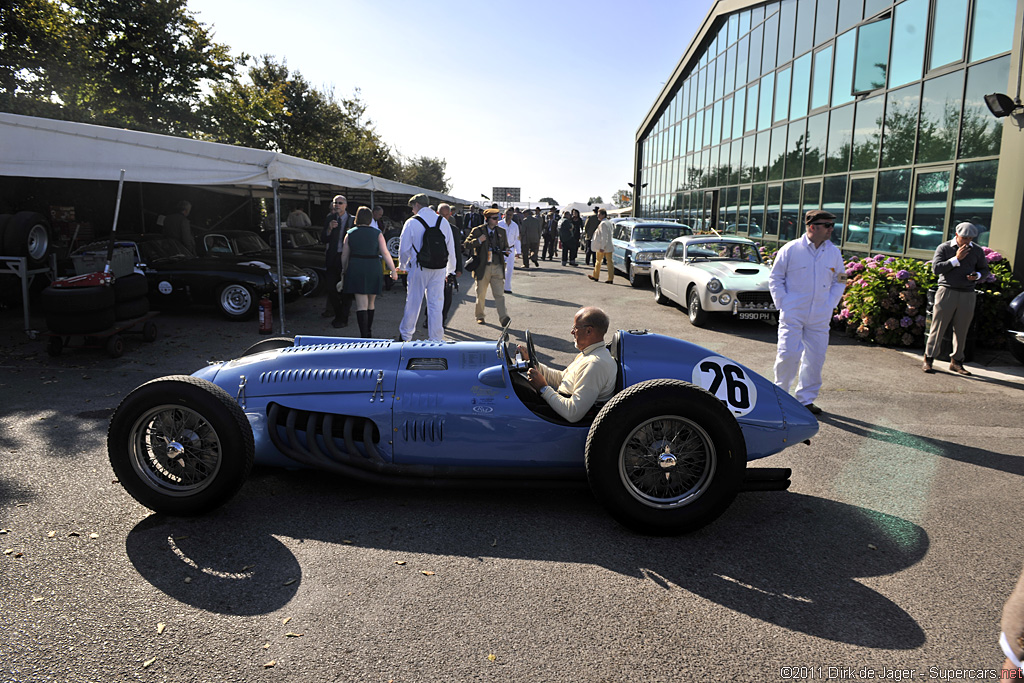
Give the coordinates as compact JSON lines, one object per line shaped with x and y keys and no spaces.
{"x":588,"y":379}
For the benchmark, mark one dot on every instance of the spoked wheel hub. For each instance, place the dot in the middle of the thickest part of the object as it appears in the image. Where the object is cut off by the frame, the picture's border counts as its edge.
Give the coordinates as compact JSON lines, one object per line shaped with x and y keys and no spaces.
{"x":667,"y":462}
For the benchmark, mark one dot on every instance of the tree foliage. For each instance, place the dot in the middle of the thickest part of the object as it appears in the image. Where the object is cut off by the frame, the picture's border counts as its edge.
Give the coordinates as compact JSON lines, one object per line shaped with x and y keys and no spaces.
{"x":138,"y":64}
{"x":595,"y":200}
{"x":549,"y":200}
{"x":426,"y":172}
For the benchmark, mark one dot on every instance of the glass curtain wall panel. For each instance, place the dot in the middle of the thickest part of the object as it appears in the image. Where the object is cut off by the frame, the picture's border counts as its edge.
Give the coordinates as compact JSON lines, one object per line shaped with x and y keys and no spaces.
{"x":801,"y":88}
{"x":762,"y":151}
{"x":764,"y":107}
{"x":949,"y":25}
{"x":980,"y":132}
{"x":782,"y":85}
{"x":804,"y":37}
{"x":992,"y":32}
{"x":840,"y":139}
{"x":825,"y":25}
{"x":773,"y":210}
{"x":867,"y":133}
{"x":872,"y":50}
{"x":900,"y":132}
{"x":811,"y":197}
{"x":833,"y":200}
{"x":858,"y":222}
{"x":743,"y":215}
{"x":739,"y":104}
{"x":928,"y":223}
{"x":940,"y":118}
{"x":795,"y":148}
{"x":974,"y":196}
{"x":770,"y":44}
{"x":892,"y":201}
{"x":777,"y":154}
{"x":873,"y":7}
{"x":790,"y":224}
{"x":906,"y":60}
{"x":747,"y":167}
{"x":787,"y":28}
{"x":850,"y":12}
{"x":821,"y":77}
{"x":754,"y":65}
{"x":842,"y":74}
{"x":755,"y":227}
{"x":815,"y":149}
{"x":751,"y":121}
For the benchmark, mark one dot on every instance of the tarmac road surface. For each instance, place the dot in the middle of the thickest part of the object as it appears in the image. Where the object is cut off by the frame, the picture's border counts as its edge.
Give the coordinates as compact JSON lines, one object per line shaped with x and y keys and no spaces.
{"x":893,"y":550}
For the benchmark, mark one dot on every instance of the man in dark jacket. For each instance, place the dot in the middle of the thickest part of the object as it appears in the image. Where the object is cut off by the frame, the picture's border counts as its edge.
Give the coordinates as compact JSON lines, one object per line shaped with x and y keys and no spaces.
{"x":567,"y":237}
{"x":336,"y":224}
{"x":960,"y":265}
{"x":529,"y":233}
{"x":489,"y":243}
{"x":588,"y":230}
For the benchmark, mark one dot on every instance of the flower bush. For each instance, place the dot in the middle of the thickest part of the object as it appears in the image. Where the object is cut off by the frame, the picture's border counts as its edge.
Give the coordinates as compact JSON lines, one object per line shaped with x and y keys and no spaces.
{"x":886,"y":300}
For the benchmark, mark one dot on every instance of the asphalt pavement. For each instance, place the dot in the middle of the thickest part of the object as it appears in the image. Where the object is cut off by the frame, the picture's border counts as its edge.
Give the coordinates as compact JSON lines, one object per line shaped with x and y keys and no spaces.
{"x":890,"y":556}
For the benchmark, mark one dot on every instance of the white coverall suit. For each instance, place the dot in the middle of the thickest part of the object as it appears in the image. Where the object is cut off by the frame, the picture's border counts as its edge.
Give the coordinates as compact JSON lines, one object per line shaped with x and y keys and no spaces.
{"x":422,"y":281}
{"x":806,"y":284}
{"x":514,"y":247}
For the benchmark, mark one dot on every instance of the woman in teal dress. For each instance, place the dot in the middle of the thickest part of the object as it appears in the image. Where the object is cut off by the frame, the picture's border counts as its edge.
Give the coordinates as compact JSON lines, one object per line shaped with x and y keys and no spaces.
{"x":360,"y":259}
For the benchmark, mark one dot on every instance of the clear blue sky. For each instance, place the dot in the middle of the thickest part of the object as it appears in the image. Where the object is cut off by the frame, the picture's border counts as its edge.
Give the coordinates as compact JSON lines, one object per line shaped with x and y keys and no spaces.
{"x":546,"y":96}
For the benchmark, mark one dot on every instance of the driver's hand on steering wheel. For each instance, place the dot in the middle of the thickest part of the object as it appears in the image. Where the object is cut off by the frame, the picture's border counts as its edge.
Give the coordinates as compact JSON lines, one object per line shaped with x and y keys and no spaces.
{"x":523,"y":352}
{"x":536,"y":378}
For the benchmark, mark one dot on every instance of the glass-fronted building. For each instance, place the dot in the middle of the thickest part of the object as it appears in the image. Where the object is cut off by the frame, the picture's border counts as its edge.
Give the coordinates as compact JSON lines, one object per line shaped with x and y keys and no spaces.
{"x":871,"y":109}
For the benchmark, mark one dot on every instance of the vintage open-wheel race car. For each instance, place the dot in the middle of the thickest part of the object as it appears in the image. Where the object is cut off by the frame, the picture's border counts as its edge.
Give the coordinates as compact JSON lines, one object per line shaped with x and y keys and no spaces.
{"x":667,"y":454}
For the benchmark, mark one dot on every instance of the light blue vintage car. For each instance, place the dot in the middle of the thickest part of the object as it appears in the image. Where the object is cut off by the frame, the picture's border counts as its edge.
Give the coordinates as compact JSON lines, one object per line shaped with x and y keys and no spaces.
{"x":635,"y":243}
{"x":667,"y":454}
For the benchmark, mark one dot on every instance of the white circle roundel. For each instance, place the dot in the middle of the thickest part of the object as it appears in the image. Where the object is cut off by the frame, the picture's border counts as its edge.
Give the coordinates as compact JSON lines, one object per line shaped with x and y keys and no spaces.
{"x":728,"y":381}
{"x":165,"y":287}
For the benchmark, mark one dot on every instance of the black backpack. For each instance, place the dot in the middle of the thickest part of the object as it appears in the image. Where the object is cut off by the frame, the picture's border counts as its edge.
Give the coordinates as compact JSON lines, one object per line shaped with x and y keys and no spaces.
{"x":433,"y":252}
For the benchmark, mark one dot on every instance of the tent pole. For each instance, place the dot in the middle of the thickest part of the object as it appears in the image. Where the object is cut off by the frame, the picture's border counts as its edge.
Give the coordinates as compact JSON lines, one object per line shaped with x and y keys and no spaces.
{"x":280,"y":254}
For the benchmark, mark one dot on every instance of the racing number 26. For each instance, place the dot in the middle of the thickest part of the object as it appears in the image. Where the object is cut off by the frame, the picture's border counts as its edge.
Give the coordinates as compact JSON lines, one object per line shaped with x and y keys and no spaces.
{"x":737,"y":393}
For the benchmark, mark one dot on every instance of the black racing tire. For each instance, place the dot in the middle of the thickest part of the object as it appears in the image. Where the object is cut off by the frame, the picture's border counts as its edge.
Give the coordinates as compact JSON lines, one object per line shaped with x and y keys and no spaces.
{"x":659,"y":296}
{"x":76,"y":300}
{"x":665,"y":457}
{"x":130,"y":286}
{"x":80,"y":323}
{"x":180,"y":445}
{"x":28,"y":234}
{"x":268,"y":344}
{"x":236,"y":301}
{"x":698,"y":316}
{"x":149,"y":331}
{"x":134,"y":308}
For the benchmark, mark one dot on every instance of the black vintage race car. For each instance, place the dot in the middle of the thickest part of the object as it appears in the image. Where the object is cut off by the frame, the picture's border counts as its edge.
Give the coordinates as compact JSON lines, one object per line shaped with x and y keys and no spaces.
{"x":177,"y":278}
{"x":295,"y":238}
{"x":304,"y":271}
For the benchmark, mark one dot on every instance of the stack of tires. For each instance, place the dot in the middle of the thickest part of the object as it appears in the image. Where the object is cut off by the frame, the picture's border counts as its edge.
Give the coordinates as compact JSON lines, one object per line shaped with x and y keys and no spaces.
{"x":27,"y":234}
{"x":131,"y":298}
{"x":79,"y":310}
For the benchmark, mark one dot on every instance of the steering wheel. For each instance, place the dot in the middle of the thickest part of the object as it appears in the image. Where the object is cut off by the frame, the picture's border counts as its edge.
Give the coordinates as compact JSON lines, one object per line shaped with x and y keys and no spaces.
{"x":530,"y":350}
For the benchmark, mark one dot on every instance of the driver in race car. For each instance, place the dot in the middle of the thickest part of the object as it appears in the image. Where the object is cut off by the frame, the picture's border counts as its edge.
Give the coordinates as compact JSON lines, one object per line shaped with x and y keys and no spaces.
{"x":589,"y":379}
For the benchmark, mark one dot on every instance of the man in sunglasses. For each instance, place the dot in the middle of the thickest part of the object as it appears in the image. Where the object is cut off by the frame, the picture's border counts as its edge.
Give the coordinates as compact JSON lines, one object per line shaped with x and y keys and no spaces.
{"x":807,"y":281}
{"x":336,"y":224}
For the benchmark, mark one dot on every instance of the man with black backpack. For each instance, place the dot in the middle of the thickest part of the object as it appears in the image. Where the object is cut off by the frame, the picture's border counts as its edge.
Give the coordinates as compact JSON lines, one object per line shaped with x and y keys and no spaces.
{"x":427,"y":253}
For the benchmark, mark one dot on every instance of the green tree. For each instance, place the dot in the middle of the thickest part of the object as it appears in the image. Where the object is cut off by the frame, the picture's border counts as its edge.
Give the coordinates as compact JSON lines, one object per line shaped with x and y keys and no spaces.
{"x":273,"y":108}
{"x":134,"y":63}
{"x":549,"y":200}
{"x":425,"y":172}
{"x":595,"y":200}
{"x":623,"y":198}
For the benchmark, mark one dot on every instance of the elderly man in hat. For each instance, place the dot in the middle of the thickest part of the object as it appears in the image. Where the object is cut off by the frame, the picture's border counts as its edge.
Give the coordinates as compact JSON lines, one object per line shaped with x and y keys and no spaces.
{"x":806,"y":282}
{"x":960,"y":264}
{"x":423,"y":280}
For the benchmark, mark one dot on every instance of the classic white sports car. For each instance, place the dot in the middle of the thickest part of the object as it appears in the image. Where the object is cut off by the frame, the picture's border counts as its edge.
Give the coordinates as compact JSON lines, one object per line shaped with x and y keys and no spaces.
{"x":712,"y":273}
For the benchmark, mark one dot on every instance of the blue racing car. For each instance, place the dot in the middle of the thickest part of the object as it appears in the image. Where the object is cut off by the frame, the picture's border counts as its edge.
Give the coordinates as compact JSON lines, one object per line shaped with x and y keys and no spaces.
{"x":666,"y":455}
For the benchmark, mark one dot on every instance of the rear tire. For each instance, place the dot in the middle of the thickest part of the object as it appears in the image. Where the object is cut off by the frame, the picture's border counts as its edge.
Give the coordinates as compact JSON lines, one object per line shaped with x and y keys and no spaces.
{"x":665,"y":457}
{"x":659,"y":296}
{"x":28,"y":234}
{"x":236,"y":301}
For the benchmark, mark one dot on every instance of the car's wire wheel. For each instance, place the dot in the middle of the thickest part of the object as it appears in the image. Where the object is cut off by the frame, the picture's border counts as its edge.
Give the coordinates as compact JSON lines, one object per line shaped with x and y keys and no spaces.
{"x":175,"y":450}
{"x":667,"y":461}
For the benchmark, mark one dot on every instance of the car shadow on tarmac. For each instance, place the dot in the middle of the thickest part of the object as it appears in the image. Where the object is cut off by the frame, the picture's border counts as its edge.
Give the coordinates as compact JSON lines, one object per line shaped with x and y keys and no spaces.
{"x":982,"y":457}
{"x":784,"y":558}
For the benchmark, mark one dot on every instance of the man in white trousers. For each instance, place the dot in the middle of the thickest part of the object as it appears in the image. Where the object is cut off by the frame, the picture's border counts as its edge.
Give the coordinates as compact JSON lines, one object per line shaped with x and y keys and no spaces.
{"x":514,"y":244}
{"x":423,"y":281}
{"x":806,"y":282}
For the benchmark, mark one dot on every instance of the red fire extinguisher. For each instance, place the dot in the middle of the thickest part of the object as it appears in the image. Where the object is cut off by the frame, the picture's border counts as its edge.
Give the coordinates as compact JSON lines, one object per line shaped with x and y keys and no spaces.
{"x":266,"y":316}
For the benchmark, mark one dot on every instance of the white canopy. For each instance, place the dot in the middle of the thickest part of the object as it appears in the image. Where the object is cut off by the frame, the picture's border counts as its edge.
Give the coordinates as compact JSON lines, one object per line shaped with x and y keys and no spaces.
{"x":46,"y":148}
